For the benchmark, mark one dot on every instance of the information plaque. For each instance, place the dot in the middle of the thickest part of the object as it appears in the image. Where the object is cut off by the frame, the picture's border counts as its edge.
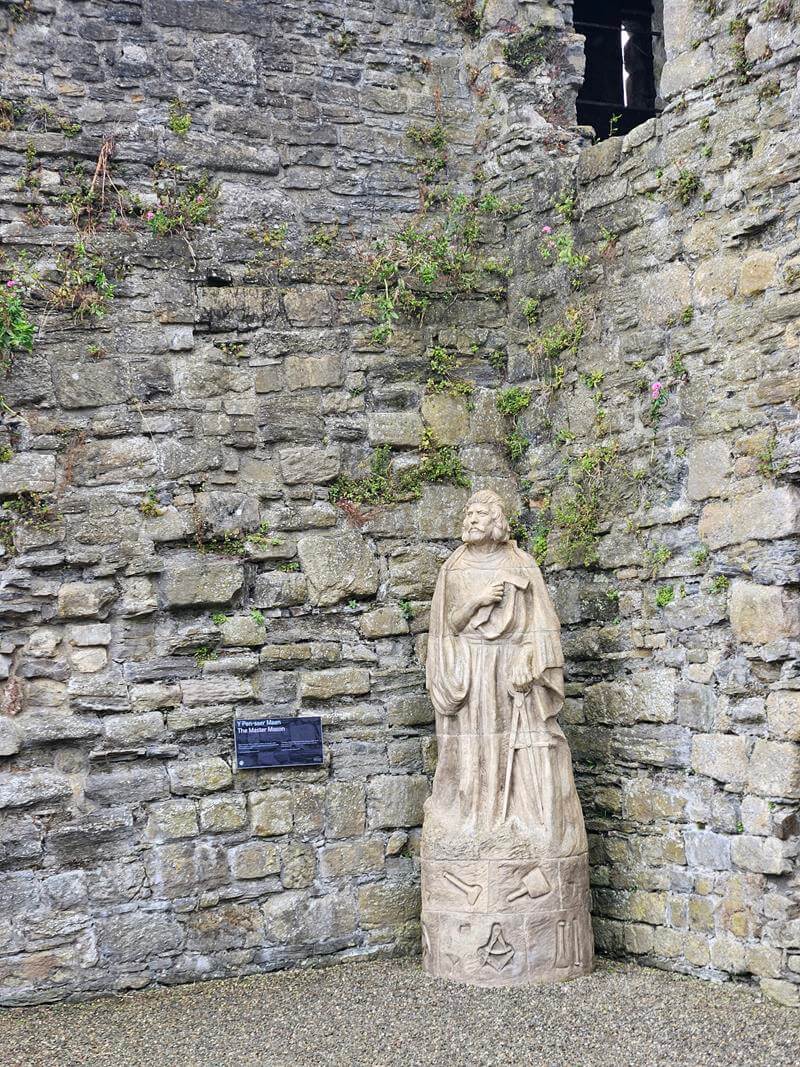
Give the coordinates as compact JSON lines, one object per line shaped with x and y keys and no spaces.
{"x":278,"y":742}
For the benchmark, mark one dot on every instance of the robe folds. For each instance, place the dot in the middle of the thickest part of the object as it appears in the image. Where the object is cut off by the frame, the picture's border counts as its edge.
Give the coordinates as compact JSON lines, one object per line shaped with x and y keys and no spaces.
{"x":476,"y":789}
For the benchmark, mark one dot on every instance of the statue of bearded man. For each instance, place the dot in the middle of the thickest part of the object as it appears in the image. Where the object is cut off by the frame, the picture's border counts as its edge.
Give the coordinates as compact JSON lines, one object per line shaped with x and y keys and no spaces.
{"x":503,"y":834}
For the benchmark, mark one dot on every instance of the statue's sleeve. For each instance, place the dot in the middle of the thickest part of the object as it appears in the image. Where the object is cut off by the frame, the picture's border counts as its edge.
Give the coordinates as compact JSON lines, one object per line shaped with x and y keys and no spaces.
{"x":447,"y":665}
{"x":547,"y":656}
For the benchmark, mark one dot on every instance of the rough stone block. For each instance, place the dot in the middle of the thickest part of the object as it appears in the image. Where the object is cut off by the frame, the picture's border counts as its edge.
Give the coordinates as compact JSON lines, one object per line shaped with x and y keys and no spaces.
{"x":195,"y":777}
{"x":351,"y":859}
{"x":20,"y":789}
{"x":136,"y":936}
{"x":345,"y":809}
{"x":172,"y":820}
{"x":400,"y":428}
{"x":757,"y":273}
{"x":84,"y":599}
{"x":765,"y":855}
{"x":709,"y":464}
{"x":721,"y":756}
{"x":775,"y":769}
{"x":279,"y":589}
{"x":223,"y":813}
{"x":308,"y":465}
{"x":255,"y":859}
{"x":317,"y":372}
{"x":763,"y":613}
{"x":382,"y":904}
{"x":442,"y":511}
{"x":343,"y":681}
{"x":707,"y":849}
{"x":763,"y":516}
{"x":299,"y":866}
{"x":447,"y":417}
{"x":337,"y":566}
{"x":200,"y":580}
{"x":396,"y":800}
{"x":271,"y":812}
{"x":30,"y":471}
{"x":783,"y":714}
{"x":386,"y":621}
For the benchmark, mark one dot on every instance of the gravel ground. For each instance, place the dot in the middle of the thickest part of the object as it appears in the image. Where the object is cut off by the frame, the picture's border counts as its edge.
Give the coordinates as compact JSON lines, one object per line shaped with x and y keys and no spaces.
{"x":390,"y":1014}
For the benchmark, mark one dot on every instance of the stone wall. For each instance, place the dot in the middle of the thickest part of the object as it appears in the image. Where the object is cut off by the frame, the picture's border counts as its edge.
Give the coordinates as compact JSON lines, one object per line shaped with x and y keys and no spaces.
{"x":230,"y":492}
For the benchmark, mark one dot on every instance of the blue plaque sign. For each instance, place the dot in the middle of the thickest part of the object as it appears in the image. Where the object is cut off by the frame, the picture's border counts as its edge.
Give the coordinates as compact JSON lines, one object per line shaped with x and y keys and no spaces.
{"x":278,"y":742}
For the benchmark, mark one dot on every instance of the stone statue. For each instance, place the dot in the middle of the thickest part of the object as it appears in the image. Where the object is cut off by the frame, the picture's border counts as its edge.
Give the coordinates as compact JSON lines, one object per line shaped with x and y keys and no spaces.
{"x":505,"y":874}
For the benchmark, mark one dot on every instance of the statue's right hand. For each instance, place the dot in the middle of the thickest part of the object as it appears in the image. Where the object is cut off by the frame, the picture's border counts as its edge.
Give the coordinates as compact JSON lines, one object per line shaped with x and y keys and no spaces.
{"x":492,"y":594}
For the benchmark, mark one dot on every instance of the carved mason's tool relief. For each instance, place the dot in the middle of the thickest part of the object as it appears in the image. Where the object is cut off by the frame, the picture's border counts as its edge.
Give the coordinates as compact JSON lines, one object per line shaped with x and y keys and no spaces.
{"x":497,"y":952}
{"x":471,"y":892}
{"x":504,"y":814}
{"x":534,"y":884}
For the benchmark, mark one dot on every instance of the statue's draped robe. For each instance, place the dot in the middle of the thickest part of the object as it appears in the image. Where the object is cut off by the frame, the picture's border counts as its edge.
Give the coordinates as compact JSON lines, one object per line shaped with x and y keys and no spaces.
{"x":469,"y":680}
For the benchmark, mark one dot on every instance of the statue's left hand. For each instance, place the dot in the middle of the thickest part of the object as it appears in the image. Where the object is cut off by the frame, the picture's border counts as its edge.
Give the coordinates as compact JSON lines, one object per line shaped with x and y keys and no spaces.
{"x":522,"y":674}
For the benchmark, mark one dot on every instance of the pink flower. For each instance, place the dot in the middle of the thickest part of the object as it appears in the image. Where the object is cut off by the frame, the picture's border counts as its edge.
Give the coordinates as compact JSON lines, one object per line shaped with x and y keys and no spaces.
{"x":199,"y":200}
{"x":547,"y":229}
{"x":655,"y":390}
{"x":150,"y":215}
{"x":11,"y":283}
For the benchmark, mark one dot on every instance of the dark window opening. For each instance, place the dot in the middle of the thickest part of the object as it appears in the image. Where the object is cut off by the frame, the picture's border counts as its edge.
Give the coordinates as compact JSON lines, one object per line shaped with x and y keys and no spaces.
{"x":624,"y":57}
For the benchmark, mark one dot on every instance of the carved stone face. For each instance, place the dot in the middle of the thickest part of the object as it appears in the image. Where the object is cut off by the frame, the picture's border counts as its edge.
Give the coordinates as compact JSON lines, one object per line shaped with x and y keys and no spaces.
{"x":478,"y":523}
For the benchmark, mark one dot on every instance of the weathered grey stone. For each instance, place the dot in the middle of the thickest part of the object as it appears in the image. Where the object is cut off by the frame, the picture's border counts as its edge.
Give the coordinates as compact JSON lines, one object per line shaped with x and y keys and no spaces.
{"x":310,"y":465}
{"x":763,"y":516}
{"x":243,"y":630}
{"x":132,"y":730}
{"x":172,"y":820}
{"x":774,"y":769}
{"x":271,"y":812}
{"x":709,"y":464}
{"x":764,"y":855}
{"x":783,"y":714}
{"x":199,"y":776}
{"x":387,"y":904}
{"x":396,"y":800}
{"x":761,"y":613}
{"x":337,"y":566}
{"x":345,"y":809}
{"x":28,"y":472}
{"x":276,"y":589}
{"x":20,"y":789}
{"x":200,"y":580}
{"x":721,"y":756}
{"x":304,"y":372}
{"x":219,"y":814}
{"x":386,"y":621}
{"x":343,"y":681}
{"x":442,"y":511}
{"x":255,"y":859}
{"x":403,"y":429}
{"x":84,"y":599}
{"x":298,"y":866}
{"x":9,"y":737}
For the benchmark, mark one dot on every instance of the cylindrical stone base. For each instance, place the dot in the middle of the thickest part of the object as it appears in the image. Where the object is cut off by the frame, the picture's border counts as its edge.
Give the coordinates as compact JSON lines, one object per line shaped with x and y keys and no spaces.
{"x":495,"y":922}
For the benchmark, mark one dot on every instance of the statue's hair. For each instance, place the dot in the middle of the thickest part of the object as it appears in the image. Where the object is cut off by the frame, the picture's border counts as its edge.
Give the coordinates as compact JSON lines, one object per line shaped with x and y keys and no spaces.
{"x":500,"y":529}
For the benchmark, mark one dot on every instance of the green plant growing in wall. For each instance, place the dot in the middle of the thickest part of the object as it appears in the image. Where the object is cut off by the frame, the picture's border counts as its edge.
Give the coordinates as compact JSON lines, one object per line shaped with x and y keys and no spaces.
{"x":204,"y":655}
{"x":324,"y":237}
{"x":184,"y":203}
{"x":83,"y":287}
{"x":442,"y":377}
{"x":512,"y":401}
{"x":656,"y":558}
{"x":431,"y":142}
{"x":16,"y":329}
{"x":342,"y":42}
{"x":516,"y":444}
{"x":687,"y":185}
{"x":720,"y":583}
{"x":257,"y":617}
{"x":665,"y":594}
{"x":149,"y":506}
{"x":531,"y":308}
{"x":179,"y":120}
{"x":529,"y":48}
{"x":738,"y":29}
{"x":700,"y":556}
{"x":6,"y":453}
{"x":561,"y":337}
{"x":406,"y":610}
{"x":767,"y":467}
{"x":32,"y":509}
